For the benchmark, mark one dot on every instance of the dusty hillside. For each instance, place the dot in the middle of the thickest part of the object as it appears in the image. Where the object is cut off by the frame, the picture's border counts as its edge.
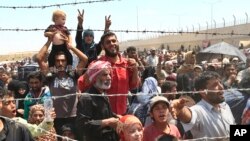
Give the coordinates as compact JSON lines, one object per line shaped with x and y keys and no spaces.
{"x":16,"y":56}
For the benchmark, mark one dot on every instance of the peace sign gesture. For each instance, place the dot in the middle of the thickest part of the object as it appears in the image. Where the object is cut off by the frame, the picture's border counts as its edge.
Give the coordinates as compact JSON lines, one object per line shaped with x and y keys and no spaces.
{"x":107,"y":23}
{"x":80,"y":17}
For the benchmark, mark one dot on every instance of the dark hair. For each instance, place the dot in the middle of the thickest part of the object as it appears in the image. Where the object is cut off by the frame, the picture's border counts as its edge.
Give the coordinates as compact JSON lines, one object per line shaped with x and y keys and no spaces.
{"x":167,"y":137}
{"x":148,"y":72}
{"x":106,"y":35}
{"x":6,"y":72}
{"x":229,"y":65}
{"x":59,"y":53}
{"x":201,"y":81}
{"x":131,"y":48}
{"x":36,"y":75}
{"x":167,"y":86}
{"x":211,"y":68}
{"x":245,"y":82}
{"x":4,"y":92}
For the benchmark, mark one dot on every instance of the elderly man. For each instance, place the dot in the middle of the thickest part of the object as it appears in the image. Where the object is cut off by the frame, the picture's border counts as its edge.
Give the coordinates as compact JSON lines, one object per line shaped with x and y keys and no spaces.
{"x":124,"y":73}
{"x":95,"y":118}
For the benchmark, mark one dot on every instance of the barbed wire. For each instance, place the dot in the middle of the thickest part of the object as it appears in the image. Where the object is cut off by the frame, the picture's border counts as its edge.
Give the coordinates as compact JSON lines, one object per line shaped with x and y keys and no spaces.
{"x":136,"y":94}
{"x":125,"y":67}
{"x":41,"y":129}
{"x":69,"y":139}
{"x":208,"y":138}
{"x":54,"y":5}
{"x":137,"y":31}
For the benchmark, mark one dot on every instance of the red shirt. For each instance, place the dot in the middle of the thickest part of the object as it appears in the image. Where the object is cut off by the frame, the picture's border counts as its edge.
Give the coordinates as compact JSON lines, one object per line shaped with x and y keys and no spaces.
{"x":151,"y":133}
{"x":121,"y":84}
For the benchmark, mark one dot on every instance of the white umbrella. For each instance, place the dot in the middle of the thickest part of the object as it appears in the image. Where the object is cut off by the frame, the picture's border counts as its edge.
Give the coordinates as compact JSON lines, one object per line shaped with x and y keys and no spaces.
{"x":222,"y":48}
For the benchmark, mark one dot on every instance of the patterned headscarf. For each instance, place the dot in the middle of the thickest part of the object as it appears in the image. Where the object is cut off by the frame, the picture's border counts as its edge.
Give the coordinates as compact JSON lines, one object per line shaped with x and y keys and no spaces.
{"x":45,"y":137}
{"x":33,"y":109}
{"x":150,"y":85}
{"x":95,"y":68}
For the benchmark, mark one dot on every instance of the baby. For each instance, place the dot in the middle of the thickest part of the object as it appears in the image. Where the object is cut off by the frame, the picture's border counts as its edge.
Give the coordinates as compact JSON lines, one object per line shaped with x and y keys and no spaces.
{"x":61,"y":37}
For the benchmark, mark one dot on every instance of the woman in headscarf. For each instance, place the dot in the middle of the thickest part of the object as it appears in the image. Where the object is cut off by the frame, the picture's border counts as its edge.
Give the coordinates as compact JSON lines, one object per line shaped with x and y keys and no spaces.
{"x":36,"y":116}
{"x":20,"y":89}
{"x":139,"y":105}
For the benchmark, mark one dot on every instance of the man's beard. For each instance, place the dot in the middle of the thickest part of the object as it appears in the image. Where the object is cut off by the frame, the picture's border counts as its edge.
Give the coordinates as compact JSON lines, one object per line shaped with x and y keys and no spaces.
{"x":110,"y":54}
{"x":104,"y":85}
{"x":61,"y":68}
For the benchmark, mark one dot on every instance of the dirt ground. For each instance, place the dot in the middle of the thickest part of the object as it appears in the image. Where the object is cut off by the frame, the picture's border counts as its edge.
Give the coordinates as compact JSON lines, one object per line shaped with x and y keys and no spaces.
{"x":16,"y":56}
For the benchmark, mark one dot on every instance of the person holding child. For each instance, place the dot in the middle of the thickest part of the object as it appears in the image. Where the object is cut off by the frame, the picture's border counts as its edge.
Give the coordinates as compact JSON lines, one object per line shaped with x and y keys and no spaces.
{"x":61,"y":36}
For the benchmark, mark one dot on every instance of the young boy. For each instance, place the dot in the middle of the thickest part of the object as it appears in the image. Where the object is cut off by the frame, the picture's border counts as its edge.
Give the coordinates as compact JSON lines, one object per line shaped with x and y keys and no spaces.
{"x":159,"y":110}
{"x":61,"y":37}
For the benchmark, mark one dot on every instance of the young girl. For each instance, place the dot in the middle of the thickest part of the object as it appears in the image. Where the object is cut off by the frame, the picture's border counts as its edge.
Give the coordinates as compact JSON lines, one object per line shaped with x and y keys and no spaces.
{"x":130,"y":128}
{"x":61,"y":36}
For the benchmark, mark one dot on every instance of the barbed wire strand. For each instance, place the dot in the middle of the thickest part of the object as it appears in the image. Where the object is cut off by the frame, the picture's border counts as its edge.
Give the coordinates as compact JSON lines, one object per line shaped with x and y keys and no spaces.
{"x":138,"y":31}
{"x":41,"y":129}
{"x":55,"y":5}
{"x":126,"y":67}
{"x":68,"y":139}
{"x":137,"y":94}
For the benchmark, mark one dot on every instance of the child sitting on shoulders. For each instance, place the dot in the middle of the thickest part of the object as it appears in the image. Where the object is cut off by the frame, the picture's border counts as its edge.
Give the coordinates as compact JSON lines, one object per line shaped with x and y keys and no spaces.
{"x":60,"y":38}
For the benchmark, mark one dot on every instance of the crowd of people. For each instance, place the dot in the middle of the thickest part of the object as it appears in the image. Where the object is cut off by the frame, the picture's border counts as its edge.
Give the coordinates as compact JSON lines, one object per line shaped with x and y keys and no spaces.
{"x":155,"y":96}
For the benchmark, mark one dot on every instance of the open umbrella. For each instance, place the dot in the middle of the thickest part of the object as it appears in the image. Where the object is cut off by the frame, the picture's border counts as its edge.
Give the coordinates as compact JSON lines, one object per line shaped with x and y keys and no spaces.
{"x":219,"y":50}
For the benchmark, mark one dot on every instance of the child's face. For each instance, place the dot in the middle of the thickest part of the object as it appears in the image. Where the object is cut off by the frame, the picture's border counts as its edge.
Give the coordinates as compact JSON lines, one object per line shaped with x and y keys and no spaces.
{"x":21,"y":91}
{"x":8,"y":108}
{"x":133,"y":133}
{"x":160,"y":112}
{"x":37,"y":117}
{"x":60,"y":20}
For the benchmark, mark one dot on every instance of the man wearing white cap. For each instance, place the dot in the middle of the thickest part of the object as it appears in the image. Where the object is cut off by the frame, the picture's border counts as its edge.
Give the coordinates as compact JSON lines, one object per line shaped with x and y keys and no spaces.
{"x":152,"y":59}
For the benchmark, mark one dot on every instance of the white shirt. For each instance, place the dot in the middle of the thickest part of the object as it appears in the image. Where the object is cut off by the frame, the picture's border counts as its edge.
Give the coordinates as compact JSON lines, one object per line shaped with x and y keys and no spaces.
{"x":206,"y":121}
{"x":152,"y":60}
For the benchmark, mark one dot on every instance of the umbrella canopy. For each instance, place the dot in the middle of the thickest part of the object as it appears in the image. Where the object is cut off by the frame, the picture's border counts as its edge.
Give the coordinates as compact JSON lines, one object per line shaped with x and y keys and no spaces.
{"x":221,"y":49}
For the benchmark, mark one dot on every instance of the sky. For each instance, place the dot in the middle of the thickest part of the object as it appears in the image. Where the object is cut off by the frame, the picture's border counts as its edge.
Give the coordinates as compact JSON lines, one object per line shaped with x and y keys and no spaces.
{"x":131,"y":15}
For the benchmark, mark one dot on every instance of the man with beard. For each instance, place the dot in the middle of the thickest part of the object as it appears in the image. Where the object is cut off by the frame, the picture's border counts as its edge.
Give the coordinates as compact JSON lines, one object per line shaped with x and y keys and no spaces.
{"x":62,"y":84}
{"x":211,"y":117}
{"x":124,"y":72}
{"x":95,"y":119}
{"x":38,"y":92}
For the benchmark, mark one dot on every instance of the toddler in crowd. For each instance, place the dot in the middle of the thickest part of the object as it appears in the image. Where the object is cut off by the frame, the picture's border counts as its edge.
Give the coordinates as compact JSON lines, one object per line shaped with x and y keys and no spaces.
{"x":130,"y":128}
{"x":60,"y":38}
